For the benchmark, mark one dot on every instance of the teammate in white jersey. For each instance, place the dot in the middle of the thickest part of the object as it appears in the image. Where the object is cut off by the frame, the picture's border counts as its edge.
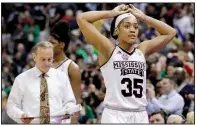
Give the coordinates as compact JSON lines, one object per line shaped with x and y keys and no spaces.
{"x":60,"y":38}
{"x":124,"y":67}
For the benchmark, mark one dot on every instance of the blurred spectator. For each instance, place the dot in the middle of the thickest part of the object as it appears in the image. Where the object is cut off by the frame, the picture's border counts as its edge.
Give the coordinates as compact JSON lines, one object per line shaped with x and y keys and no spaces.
{"x":161,"y":66}
{"x":176,"y":119}
{"x":159,"y":89}
{"x":170,"y":70}
{"x":187,"y":47}
{"x":7,"y":75}
{"x":100,"y":108}
{"x":188,"y":94}
{"x":19,"y":35}
{"x":86,"y":114}
{"x":4,"y":100}
{"x":33,"y":31}
{"x":40,"y":16}
{"x":91,"y":57}
{"x":75,"y":34}
{"x":93,"y":98}
{"x":190,"y":117}
{"x":159,"y":117}
{"x":91,"y":6}
{"x":21,"y":49}
{"x":170,"y":100}
{"x":153,"y":76}
{"x":80,"y":51}
{"x":151,"y":11}
{"x":180,"y":78}
{"x":55,"y":13}
{"x":182,"y":22}
{"x":19,"y":63}
{"x":5,"y":119}
{"x":69,"y":16}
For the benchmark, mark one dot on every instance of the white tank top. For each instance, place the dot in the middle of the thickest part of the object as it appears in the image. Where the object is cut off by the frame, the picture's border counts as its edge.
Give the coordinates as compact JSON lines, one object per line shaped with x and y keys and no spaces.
{"x":125,"y":80}
{"x":64,"y":66}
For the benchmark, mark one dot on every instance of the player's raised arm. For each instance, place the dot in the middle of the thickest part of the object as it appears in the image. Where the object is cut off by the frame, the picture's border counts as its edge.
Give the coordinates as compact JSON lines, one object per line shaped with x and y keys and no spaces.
{"x":93,"y":36}
{"x":166,"y":32}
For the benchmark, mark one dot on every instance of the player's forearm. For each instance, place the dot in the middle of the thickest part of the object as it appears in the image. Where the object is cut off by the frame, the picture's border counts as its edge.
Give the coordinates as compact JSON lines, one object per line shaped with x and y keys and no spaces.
{"x":93,"y":16}
{"x":160,"y":26}
{"x":77,"y":92}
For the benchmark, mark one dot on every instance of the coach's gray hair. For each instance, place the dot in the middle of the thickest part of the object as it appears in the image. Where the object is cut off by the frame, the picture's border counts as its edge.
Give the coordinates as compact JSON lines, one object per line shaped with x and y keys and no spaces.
{"x":42,"y":44}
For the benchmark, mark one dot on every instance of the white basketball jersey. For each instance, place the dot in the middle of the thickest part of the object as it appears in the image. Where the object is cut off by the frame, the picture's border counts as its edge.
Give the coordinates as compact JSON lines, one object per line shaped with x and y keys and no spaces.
{"x":64,"y":66}
{"x":125,"y":80}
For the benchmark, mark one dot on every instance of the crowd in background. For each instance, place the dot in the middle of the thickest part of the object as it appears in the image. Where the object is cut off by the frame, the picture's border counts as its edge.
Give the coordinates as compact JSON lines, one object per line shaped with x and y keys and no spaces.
{"x":24,"y":25}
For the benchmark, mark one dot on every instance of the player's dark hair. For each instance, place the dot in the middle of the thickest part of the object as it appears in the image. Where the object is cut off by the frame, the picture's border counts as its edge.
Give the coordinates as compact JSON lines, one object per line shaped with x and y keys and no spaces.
{"x":112,"y":28}
{"x":61,"y":32}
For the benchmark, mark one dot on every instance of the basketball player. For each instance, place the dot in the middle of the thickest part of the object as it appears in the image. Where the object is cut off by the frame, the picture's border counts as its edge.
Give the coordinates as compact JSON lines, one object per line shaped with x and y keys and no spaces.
{"x":60,"y":38}
{"x":125,"y":99}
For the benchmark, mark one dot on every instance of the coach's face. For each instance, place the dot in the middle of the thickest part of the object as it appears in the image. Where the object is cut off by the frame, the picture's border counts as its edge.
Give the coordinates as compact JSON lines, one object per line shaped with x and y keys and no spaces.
{"x":43,"y":59}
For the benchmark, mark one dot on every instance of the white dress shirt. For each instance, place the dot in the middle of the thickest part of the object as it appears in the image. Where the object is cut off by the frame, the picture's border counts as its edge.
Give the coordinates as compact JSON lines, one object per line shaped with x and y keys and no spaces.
{"x":25,"y":94}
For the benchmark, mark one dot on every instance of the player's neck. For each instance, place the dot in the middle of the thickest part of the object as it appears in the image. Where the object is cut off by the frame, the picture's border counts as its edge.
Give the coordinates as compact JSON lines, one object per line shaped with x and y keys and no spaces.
{"x":59,"y":58}
{"x":126,"y":46}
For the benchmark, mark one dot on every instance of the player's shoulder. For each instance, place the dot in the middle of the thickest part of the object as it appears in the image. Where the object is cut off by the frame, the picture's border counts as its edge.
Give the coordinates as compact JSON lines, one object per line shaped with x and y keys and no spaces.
{"x":74,"y":70}
{"x":139,"y":52}
{"x":73,"y":65}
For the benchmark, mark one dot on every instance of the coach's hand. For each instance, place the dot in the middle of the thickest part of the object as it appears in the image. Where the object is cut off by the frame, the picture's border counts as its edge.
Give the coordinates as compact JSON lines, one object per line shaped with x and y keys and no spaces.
{"x":25,"y":119}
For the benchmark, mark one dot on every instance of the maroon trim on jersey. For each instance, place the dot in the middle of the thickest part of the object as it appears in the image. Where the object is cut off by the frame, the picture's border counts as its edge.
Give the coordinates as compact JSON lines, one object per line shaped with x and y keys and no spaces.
{"x":62,"y":63}
{"x":130,"y":53}
{"x":109,"y":57}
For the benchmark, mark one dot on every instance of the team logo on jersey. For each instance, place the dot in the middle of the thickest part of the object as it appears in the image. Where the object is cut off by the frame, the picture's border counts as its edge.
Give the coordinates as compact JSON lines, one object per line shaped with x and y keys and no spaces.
{"x":139,"y":53}
{"x":125,"y":56}
{"x":119,"y":52}
{"x":130,"y":67}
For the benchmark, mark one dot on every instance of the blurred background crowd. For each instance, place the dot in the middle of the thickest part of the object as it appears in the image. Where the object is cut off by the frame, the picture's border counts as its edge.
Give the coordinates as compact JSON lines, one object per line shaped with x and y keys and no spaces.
{"x":24,"y":25}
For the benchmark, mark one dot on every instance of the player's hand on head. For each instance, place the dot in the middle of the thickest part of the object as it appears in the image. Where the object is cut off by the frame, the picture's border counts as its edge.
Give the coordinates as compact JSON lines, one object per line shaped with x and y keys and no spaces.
{"x":120,"y":9}
{"x":137,"y":13}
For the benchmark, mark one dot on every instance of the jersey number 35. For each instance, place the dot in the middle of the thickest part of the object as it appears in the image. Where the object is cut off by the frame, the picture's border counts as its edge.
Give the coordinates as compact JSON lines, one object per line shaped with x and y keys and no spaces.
{"x":132,"y":90}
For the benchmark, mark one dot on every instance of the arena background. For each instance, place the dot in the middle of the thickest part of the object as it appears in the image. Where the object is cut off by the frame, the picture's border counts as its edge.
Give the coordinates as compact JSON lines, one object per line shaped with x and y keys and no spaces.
{"x":24,"y":25}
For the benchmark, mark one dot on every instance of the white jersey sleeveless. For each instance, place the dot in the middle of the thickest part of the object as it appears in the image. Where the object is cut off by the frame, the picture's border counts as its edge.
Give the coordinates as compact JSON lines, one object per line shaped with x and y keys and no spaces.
{"x":125,"y":80}
{"x":64,"y":66}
